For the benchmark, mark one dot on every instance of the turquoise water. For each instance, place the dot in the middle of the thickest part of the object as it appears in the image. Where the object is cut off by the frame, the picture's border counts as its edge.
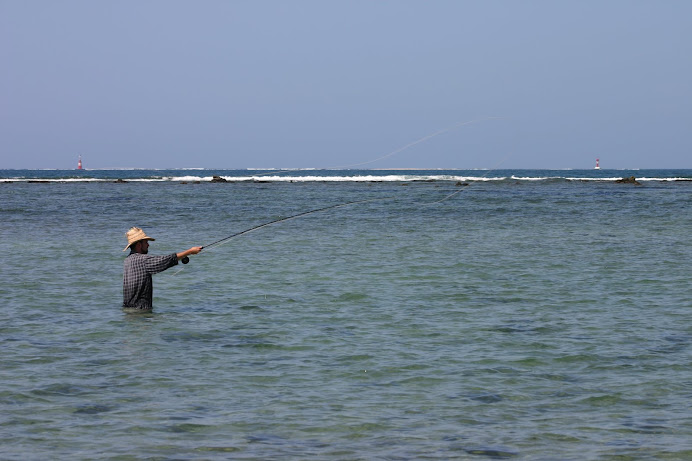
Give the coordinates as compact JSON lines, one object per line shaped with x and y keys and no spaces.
{"x":527,"y":317}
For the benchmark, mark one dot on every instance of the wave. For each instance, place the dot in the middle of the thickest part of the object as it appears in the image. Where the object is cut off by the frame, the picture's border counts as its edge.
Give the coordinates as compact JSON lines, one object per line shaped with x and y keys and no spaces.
{"x":340,"y":176}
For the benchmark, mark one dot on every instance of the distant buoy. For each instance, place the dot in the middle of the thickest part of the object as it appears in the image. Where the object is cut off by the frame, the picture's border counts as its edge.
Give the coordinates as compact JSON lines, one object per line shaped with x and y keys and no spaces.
{"x":79,"y":163}
{"x":597,"y":167}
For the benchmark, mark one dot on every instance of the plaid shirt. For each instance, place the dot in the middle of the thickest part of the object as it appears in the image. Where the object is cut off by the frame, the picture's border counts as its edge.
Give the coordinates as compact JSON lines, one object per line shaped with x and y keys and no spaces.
{"x":138,"y":288}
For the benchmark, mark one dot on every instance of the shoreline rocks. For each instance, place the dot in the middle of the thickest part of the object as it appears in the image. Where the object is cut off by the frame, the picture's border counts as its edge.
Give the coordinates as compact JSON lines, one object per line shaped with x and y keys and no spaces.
{"x":630,"y":180}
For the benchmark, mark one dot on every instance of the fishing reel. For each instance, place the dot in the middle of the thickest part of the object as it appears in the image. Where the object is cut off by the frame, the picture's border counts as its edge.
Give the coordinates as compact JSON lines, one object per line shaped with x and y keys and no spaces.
{"x":185,"y":260}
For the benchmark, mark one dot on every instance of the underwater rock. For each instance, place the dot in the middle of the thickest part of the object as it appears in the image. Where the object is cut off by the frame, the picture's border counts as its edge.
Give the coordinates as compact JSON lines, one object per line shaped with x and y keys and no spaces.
{"x":119,"y":180}
{"x":218,"y":179}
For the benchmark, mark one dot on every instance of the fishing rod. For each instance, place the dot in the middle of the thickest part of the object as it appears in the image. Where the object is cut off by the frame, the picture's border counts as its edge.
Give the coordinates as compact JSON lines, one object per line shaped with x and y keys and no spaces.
{"x":186,"y":260}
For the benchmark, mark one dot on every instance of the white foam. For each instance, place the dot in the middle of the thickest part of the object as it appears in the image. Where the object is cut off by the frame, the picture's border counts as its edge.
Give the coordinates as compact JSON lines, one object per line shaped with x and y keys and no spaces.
{"x":285,"y":176}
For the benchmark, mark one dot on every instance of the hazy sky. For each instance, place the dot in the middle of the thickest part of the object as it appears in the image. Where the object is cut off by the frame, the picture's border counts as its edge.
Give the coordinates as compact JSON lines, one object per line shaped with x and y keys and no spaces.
{"x":254,"y":83}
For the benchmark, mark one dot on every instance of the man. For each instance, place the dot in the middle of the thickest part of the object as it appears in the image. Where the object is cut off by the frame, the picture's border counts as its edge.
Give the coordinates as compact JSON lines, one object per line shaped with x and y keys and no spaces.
{"x":140,"y":266}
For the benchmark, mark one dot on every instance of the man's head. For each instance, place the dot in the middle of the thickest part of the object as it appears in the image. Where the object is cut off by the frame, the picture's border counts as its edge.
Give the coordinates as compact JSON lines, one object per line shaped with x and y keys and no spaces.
{"x":137,"y":240}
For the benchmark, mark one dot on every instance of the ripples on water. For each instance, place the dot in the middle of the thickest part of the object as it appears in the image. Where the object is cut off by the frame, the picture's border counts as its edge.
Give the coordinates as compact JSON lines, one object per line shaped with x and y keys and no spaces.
{"x":514,"y":321}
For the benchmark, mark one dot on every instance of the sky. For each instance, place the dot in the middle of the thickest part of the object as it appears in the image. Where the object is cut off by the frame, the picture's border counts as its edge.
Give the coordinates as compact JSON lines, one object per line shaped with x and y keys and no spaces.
{"x":331,"y":84}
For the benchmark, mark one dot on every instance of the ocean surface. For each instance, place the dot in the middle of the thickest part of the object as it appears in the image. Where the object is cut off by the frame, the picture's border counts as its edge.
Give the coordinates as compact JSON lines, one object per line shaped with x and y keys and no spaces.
{"x":451,"y":314}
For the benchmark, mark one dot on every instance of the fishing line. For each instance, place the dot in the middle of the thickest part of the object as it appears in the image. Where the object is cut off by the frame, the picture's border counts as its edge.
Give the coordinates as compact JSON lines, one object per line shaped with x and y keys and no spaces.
{"x":221,"y":241}
{"x":395,"y":151}
{"x":423,"y":139}
{"x":466,"y":188}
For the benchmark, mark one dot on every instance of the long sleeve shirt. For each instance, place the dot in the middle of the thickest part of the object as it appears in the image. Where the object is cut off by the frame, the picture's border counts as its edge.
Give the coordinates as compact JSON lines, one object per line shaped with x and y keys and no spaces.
{"x":138,"y":289}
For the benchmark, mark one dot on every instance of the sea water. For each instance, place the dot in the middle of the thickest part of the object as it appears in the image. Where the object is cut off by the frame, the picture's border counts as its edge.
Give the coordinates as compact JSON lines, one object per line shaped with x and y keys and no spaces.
{"x":531,"y":315}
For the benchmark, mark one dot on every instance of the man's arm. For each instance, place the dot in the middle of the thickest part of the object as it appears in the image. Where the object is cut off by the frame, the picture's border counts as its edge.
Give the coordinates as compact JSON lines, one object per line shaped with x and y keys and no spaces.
{"x":191,"y":251}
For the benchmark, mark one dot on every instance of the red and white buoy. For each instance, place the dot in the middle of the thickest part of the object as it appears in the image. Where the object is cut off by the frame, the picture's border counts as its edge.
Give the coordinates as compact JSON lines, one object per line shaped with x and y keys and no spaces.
{"x":597,"y":167}
{"x":79,"y":163}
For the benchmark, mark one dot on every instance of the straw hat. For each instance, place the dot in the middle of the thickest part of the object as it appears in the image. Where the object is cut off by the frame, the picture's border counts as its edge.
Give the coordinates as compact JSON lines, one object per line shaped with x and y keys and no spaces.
{"x":134,"y":235}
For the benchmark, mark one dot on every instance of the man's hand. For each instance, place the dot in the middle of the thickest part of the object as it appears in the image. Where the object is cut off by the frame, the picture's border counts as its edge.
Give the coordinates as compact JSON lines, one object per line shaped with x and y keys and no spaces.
{"x":191,"y":251}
